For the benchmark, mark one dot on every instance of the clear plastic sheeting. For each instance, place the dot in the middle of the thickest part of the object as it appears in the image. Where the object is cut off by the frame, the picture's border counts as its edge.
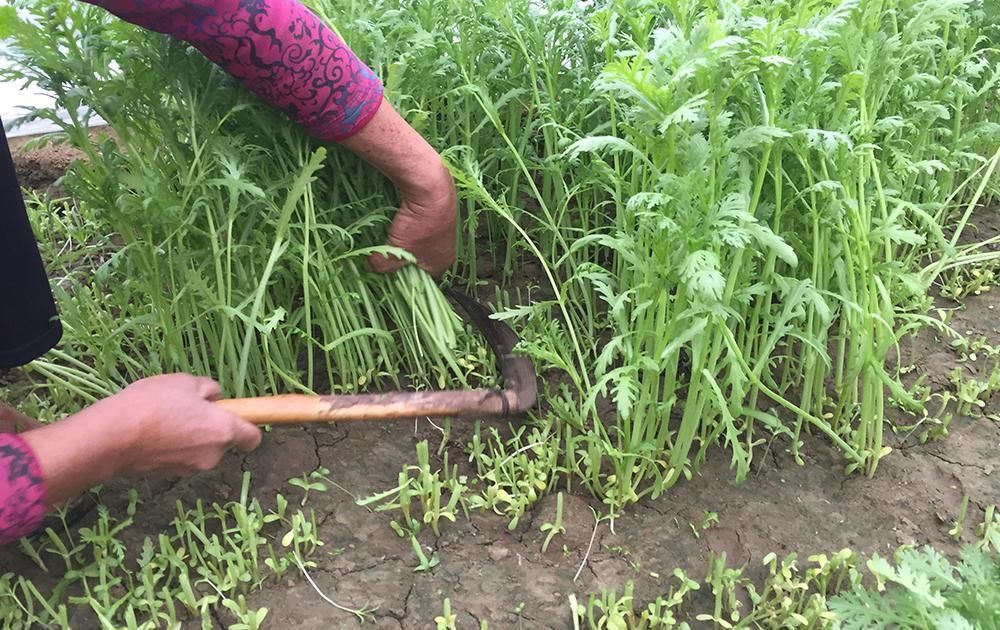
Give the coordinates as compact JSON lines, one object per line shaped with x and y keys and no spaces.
{"x":16,"y":100}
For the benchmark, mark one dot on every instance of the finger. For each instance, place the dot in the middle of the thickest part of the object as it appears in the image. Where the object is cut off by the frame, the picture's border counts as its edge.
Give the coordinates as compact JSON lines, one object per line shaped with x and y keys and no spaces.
{"x":383,"y":264}
{"x":246,"y":436}
{"x":208,"y":389}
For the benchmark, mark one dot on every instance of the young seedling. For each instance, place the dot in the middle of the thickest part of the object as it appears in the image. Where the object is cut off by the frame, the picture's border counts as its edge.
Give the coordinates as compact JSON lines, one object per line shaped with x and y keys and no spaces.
{"x":725,"y":582}
{"x":989,"y":530}
{"x":519,"y":610}
{"x":246,"y":619}
{"x":959,"y":527}
{"x":707,"y":520}
{"x":424,"y":563}
{"x":312,"y":481}
{"x":211,"y":558}
{"x":554,"y":528}
{"x":423,"y":497}
{"x":447,"y":619}
{"x":516,"y":471}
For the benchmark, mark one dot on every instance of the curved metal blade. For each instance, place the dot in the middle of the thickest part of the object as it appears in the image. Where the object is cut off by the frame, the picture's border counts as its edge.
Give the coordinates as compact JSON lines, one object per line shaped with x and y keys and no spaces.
{"x":520,"y":380}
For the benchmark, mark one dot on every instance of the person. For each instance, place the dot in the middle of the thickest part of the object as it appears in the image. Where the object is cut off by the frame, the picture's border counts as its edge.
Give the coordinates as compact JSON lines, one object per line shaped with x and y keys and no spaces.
{"x":289,"y":58}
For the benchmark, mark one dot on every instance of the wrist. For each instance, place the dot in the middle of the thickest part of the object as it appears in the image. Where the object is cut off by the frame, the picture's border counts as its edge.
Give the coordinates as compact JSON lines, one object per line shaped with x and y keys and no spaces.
{"x":79,"y":452}
{"x":427,"y":181}
{"x":113,"y":435}
{"x":395,"y":149}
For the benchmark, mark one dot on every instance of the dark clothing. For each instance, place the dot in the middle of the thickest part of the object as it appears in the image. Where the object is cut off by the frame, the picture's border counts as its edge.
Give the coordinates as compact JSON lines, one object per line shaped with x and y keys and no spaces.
{"x":29,"y":322}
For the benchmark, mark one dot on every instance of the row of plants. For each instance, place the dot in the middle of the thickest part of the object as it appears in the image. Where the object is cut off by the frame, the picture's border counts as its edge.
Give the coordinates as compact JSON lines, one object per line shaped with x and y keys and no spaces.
{"x":208,"y":561}
{"x":241,"y":246}
{"x":212,"y":560}
{"x":712,"y":223}
{"x":916,"y":587}
{"x":216,"y":557}
{"x":739,"y":211}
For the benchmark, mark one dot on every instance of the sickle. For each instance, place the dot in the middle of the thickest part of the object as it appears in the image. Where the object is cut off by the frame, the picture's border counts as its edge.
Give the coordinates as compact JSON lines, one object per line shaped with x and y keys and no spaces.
{"x":518,"y":395}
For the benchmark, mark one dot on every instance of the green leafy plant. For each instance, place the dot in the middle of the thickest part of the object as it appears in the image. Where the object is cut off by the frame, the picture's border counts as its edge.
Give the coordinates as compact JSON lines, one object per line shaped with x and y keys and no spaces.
{"x":196,"y":170}
{"x":514,"y":471}
{"x":609,"y":610}
{"x":556,"y":527}
{"x":446,"y":620}
{"x":989,"y":530}
{"x":916,"y":588}
{"x":707,"y":520}
{"x":972,"y":393}
{"x":311,"y":481}
{"x":959,"y":527}
{"x":209,"y":561}
{"x":423,"y":498}
{"x":923,"y":589}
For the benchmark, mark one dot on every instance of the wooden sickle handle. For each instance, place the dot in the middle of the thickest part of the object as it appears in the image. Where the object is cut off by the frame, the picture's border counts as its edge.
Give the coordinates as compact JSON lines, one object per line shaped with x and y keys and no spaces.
{"x":518,"y":374}
{"x":297,"y":408}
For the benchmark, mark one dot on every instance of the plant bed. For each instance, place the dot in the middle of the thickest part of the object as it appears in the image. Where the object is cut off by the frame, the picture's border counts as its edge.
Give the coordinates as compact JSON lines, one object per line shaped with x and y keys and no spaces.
{"x":490,"y":573}
{"x":729,"y":239}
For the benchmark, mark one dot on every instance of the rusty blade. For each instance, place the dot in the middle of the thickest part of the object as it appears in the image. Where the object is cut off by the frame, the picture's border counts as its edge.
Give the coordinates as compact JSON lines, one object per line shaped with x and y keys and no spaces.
{"x":520,"y":380}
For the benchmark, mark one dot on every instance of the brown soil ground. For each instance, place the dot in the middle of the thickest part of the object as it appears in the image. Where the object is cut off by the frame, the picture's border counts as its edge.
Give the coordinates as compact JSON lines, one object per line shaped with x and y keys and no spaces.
{"x":493,"y":574}
{"x":39,"y":167}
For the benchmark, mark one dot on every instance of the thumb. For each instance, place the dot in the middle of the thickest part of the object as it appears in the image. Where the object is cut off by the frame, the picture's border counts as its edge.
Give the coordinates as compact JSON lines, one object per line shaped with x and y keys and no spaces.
{"x":246,"y":436}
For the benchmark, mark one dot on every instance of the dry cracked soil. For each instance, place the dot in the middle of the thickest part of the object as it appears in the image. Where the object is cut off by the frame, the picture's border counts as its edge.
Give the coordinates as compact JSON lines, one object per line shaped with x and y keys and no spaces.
{"x":501,"y":576}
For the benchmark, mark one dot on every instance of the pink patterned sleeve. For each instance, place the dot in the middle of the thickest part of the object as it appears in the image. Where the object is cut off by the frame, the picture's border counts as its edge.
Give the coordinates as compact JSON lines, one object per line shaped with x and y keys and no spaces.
{"x":278,"y":49}
{"x":22,"y":489}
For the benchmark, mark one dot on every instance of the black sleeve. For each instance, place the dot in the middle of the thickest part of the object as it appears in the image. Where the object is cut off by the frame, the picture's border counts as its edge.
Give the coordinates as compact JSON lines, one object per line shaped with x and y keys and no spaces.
{"x":29,"y":322}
